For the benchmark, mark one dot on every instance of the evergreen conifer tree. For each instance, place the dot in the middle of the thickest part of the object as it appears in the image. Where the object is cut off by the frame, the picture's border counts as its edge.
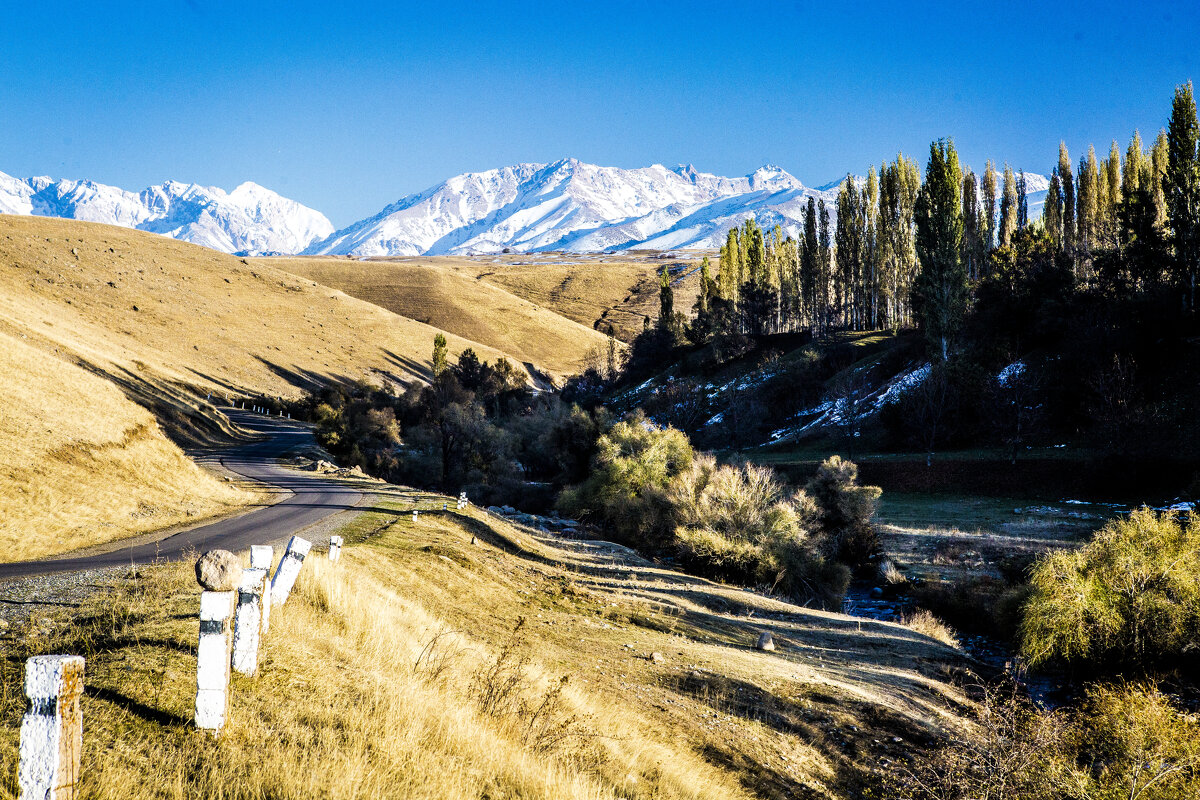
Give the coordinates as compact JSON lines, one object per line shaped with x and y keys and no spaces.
{"x":440,"y":360}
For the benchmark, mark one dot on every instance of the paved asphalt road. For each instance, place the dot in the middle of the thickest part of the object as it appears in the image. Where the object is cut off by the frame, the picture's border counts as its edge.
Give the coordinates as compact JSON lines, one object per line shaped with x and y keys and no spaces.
{"x":313,"y":499}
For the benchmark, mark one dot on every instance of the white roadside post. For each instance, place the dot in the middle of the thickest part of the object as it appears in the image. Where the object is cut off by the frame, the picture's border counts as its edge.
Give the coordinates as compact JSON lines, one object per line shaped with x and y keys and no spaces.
{"x":414,"y":516}
{"x":288,"y":569}
{"x":52,"y":729}
{"x":335,"y":548}
{"x":247,"y":623}
{"x":212,"y":660}
{"x":262,"y":556}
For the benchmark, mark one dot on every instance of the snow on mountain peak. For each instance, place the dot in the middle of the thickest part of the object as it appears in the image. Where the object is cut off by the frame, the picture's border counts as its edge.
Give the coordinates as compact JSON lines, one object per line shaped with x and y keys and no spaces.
{"x":250,"y":219}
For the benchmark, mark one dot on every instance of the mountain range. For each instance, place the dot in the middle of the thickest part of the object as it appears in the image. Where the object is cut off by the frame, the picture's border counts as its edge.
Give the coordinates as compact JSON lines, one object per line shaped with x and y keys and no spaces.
{"x":567,"y":205}
{"x":250,"y":220}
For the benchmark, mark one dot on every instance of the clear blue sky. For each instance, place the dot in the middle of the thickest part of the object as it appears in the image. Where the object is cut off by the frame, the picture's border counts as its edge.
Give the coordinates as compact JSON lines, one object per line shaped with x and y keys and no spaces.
{"x":347,"y":107}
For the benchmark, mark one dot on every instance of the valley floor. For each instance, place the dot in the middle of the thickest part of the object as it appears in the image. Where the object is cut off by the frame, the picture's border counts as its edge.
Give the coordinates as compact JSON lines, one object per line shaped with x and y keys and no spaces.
{"x":465,"y":656}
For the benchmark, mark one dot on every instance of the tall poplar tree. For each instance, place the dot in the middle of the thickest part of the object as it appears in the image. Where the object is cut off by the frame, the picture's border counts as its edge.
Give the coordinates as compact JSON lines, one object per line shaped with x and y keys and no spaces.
{"x":940,"y":290}
{"x":1067,"y":177}
{"x":988,"y":211}
{"x":1052,"y":213}
{"x":825,"y":249}
{"x":847,"y":251}
{"x":810,"y":268}
{"x":1158,"y":168}
{"x":1181,"y":190}
{"x":970,"y":213}
{"x":1008,"y":208}
{"x":1022,"y":202}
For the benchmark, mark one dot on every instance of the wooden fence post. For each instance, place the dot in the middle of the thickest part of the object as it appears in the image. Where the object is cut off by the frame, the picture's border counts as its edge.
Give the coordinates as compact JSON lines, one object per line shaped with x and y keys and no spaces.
{"x":212,"y":660}
{"x":288,"y":569}
{"x":52,"y":729}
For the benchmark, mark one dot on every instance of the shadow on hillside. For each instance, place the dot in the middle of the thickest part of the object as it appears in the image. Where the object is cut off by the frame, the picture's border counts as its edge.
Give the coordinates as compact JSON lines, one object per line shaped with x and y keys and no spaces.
{"x":184,"y":417}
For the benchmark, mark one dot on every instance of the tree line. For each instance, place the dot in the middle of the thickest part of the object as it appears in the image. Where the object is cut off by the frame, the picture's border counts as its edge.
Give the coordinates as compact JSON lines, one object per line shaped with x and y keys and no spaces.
{"x":901,"y":251}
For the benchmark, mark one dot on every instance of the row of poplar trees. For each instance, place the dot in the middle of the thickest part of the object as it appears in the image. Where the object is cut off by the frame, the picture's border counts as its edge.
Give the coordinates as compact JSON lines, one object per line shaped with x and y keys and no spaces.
{"x":903,"y":251}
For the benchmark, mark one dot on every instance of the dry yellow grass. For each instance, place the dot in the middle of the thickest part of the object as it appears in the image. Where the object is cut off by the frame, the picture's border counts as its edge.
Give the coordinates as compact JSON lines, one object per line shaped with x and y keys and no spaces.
{"x":372,"y":679}
{"x":142,"y":307}
{"x":442,"y":293}
{"x":80,"y":464}
{"x":595,"y":291}
{"x":165,"y":322}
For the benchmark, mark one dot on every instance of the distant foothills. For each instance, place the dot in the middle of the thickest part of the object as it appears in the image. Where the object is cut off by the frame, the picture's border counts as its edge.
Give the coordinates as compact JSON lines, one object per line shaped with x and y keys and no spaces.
{"x":567,"y":205}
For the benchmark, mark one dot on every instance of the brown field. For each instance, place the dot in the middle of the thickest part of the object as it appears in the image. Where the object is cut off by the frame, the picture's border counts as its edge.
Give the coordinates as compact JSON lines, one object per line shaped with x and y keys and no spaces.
{"x":140,"y":307}
{"x":596,"y":291}
{"x":398,"y":674}
{"x":444,"y":293}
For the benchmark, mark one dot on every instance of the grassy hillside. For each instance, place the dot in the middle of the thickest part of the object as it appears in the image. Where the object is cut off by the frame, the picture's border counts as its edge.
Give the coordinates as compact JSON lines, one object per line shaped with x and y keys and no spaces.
{"x":80,"y":464}
{"x":443,"y":294}
{"x":143,"y":308}
{"x":593,"y":290}
{"x":431,"y":665}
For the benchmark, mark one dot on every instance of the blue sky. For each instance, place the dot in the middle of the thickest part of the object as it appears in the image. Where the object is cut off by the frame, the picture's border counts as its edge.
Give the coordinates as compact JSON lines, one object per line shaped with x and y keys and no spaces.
{"x":347,"y":107}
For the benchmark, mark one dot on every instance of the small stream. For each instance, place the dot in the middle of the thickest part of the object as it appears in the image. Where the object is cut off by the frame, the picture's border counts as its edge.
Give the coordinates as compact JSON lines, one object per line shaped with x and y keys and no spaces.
{"x":993,"y":657}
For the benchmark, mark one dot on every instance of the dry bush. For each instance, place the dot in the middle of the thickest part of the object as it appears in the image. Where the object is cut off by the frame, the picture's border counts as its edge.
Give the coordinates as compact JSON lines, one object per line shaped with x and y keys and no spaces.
{"x":1014,"y":752}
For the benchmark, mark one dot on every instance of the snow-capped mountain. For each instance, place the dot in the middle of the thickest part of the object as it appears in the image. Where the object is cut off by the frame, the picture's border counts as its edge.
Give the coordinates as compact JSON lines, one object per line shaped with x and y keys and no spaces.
{"x":578,"y":207}
{"x":565,"y":205}
{"x":248,"y":220}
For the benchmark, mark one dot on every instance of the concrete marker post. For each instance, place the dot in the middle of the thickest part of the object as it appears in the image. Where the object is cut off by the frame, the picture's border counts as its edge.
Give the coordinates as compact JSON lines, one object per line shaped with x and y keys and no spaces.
{"x":288,"y":569}
{"x":213,"y":660}
{"x":52,"y":729}
{"x":262,"y":556}
{"x":247,"y":623}
{"x":335,"y":548}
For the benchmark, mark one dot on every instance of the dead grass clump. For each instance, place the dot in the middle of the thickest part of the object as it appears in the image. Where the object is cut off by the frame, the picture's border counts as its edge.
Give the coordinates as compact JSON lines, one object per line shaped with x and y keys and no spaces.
{"x":926,"y":623}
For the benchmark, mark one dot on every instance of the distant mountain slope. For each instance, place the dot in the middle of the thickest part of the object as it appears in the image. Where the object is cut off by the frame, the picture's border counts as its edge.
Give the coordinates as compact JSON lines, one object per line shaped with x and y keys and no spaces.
{"x":577,"y":207}
{"x":248,"y":220}
{"x":449,"y":294}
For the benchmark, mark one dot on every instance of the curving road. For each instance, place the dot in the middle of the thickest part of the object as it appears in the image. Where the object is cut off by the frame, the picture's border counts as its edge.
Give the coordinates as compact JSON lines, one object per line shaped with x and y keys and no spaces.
{"x":313,"y":499}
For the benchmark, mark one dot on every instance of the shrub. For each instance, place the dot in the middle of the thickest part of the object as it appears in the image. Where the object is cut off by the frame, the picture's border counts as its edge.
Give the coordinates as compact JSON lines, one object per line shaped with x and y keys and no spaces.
{"x":1130,"y":596}
{"x":634,"y":464}
{"x":738,"y":523}
{"x":846,"y":511}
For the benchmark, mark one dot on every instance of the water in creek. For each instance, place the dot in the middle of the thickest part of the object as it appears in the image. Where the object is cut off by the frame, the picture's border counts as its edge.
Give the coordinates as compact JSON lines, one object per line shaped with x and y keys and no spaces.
{"x":992,"y":656}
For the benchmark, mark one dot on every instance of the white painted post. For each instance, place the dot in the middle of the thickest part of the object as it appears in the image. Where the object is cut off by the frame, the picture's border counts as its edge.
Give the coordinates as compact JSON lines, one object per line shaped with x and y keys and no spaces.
{"x":414,"y":516}
{"x":262,"y":556}
{"x":212,"y":660}
{"x":247,"y":623}
{"x":52,"y":729}
{"x":288,"y":569}
{"x":335,"y":548}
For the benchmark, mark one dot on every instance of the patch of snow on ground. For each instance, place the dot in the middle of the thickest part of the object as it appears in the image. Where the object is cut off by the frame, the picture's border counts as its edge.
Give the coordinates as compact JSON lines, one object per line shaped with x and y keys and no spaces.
{"x":903,"y":383}
{"x":1013,"y":370}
